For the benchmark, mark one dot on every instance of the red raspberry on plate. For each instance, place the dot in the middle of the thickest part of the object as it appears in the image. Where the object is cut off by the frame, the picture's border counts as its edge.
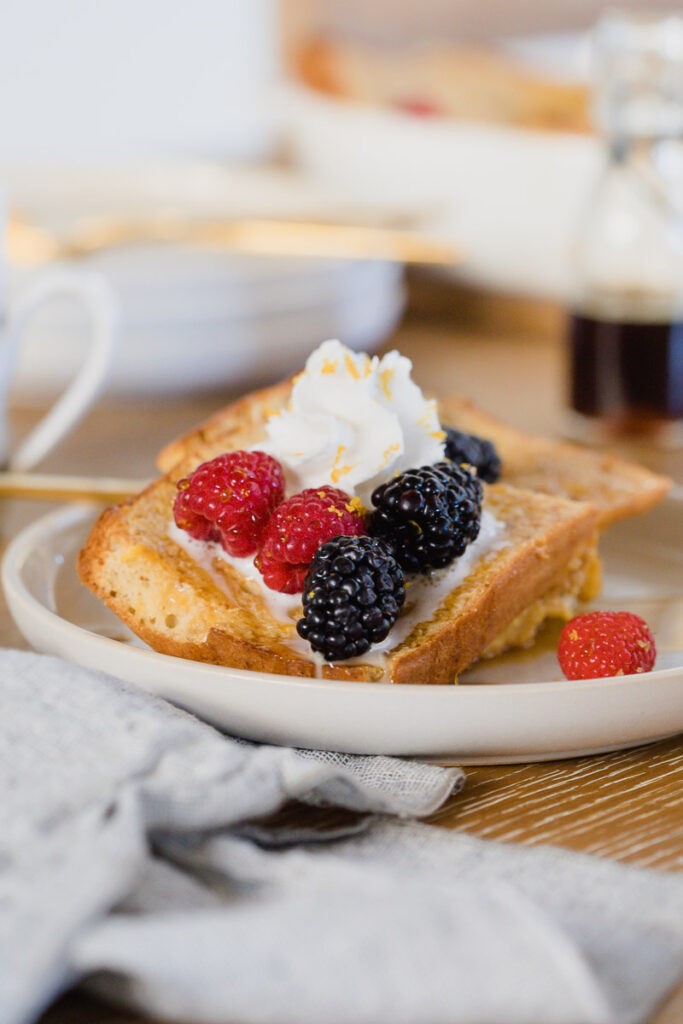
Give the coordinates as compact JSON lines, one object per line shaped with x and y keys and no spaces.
{"x":296,"y":530}
{"x":600,"y":644}
{"x":230,"y":499}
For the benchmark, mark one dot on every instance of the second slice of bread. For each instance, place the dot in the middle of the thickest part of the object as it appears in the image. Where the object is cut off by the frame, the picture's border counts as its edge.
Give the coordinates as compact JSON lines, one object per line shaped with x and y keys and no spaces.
{"x":616,"y":487}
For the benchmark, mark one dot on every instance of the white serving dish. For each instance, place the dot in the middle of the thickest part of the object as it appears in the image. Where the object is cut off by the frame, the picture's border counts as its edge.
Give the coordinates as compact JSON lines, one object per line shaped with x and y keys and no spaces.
{"x":509,"y":198}
{"x":193,"y":319}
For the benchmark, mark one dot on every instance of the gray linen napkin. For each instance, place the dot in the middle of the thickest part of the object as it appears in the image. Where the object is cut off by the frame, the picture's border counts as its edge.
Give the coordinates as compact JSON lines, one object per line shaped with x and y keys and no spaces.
{"x":128,"y":855}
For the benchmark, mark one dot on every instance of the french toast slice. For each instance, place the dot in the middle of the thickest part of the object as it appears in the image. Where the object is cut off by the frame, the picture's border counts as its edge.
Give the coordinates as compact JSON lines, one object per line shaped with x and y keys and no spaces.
{"x":179,"y":607}
{"x":616,"y":487}
{"x":545,"y":562}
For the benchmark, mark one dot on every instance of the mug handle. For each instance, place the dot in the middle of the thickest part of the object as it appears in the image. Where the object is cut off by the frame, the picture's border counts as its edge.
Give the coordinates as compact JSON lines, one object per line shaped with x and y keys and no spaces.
{"x":94,"y":293}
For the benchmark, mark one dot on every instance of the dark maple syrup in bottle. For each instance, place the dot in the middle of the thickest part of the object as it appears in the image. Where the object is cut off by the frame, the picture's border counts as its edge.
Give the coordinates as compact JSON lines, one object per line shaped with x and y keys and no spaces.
{"x":625,"y":324}
{"x":628,"y":373}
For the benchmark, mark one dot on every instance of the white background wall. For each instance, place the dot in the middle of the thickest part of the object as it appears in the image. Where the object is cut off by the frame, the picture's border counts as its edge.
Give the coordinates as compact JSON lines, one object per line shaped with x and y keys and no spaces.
{"x":96,"y":79}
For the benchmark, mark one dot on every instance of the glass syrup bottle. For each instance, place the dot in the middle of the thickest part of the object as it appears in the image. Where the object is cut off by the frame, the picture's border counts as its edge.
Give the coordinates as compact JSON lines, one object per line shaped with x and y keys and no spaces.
{"x":625,"y":333}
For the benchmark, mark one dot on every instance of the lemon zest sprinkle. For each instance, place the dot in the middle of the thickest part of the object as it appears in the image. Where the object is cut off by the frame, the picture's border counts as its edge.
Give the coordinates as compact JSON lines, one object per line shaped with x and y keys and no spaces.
{"x":425,"y":418}
{"x":351,"y":367}
{"x":356,"y":505}
{"x":329,"y":366}
{"x":339,"y":472}
{"x":388,"y":453}
{"x":386,"y":377}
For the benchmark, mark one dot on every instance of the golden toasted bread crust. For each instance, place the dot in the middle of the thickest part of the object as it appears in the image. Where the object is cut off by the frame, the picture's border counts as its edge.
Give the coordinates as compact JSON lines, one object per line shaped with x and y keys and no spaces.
{"x":241,"y":422}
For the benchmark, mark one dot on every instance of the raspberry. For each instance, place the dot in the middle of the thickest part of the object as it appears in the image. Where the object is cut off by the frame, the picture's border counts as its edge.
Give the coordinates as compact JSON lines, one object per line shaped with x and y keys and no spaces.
{"x":296,"y":530}
{"x":601,"y":644}
{"x":279,"y":575}
{"x":353,"y":594}
{"x":481,"y":454}
{"x":428,"y":515}
{"x":230,"y":499}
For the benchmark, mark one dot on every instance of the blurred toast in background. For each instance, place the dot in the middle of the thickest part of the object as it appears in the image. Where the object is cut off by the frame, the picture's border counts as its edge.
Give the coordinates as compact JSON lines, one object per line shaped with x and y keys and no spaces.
{"x":467,"y":82}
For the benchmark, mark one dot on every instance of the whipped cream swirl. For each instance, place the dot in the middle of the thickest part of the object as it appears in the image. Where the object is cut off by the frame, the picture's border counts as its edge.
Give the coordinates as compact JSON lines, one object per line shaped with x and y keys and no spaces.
{"x":353,"y":422}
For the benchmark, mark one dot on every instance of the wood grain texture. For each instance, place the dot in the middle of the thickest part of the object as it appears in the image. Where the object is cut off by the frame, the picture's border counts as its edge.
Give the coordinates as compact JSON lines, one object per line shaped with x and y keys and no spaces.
{"x":625,"y":806}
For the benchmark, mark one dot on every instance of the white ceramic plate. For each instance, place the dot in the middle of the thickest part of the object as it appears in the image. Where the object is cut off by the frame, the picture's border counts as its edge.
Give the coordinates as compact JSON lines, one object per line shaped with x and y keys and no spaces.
{"x":526,"y":712}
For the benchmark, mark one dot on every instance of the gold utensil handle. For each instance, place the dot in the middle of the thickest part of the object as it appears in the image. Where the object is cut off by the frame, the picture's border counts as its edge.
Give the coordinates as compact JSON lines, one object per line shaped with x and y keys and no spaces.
{"x":47,"y":487}
{"x":343,"y":241}
{"x":31,"y":245}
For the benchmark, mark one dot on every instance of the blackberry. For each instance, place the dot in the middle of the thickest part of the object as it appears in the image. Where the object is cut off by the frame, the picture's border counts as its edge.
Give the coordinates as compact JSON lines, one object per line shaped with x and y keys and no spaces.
{"x":464,"y":478}
{"x":428,"y":515}
{"x":353,"y":594}
{"x":481,"y":454}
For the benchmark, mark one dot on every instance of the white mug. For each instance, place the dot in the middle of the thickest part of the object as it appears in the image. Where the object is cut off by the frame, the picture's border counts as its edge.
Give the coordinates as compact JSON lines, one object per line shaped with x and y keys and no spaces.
{"x":94,"y":293}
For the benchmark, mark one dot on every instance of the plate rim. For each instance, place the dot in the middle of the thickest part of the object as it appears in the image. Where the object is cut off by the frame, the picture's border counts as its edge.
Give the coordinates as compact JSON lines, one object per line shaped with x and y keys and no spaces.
{"x":25,"y":542}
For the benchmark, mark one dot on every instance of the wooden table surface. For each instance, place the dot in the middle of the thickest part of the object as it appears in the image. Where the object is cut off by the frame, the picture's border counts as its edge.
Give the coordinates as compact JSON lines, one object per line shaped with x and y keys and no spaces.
{"x":508,"y":356}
